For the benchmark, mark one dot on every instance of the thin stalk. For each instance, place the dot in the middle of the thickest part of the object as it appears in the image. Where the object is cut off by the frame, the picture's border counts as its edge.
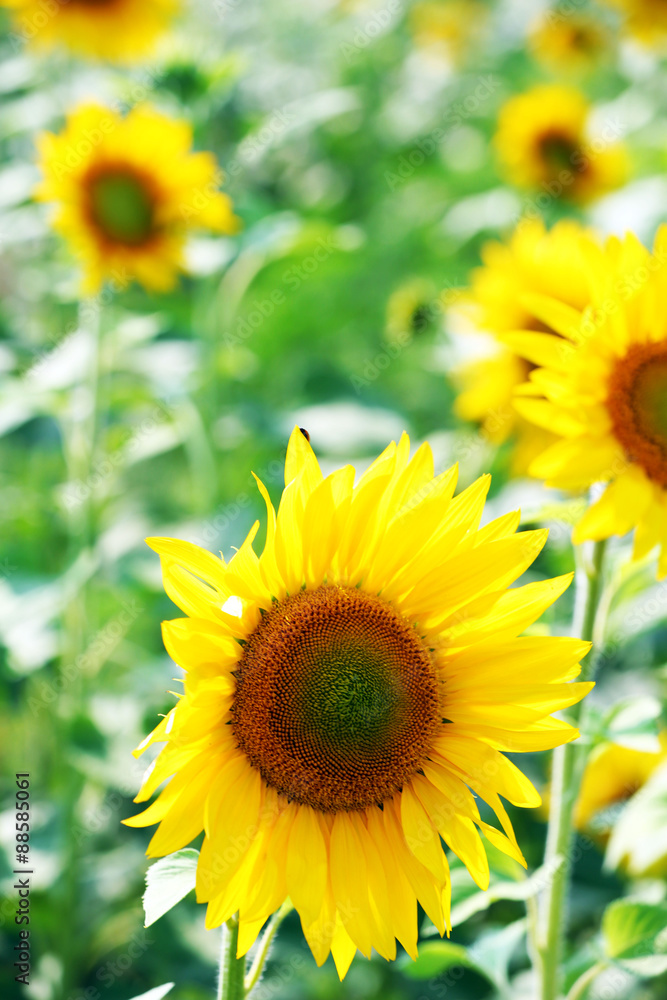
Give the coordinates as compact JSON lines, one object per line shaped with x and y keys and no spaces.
{"x":532,"y":927}
{"x":579,"y":988}
{"x":80,"y":438}
{"x":232,"y":969}
{"x":259,"y":961}
{"x":568,"y":763}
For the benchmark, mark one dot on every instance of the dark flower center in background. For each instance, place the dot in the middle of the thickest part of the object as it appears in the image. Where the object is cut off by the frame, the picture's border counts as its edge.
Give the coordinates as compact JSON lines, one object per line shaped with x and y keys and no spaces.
{"x":337,"y":699}
{"x":422,"y":317}
{"x":637,"y":402}
{"x":560,"y":152}
{"x":121,"y":206}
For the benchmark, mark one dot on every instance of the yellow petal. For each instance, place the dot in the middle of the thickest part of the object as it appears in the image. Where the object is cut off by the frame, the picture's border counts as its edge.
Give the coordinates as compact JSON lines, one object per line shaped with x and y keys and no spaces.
{"x":512,"y":612}
{"x":457,"y":830}
{"x":343,"y":948}
{"x":349,"y":882}
{"x":307,"y":865}
{"x":300,"y":460}
{"x":420,"y":834}
{"x":619,"y":508}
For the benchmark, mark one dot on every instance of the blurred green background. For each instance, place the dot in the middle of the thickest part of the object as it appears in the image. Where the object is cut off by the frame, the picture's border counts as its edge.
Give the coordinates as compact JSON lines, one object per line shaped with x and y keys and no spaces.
{"x":358,"y":157}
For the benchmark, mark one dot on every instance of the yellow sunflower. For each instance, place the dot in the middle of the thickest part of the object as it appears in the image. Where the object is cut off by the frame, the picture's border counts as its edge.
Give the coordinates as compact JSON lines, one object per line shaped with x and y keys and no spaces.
{"x":613,"y":774}
{"x":569,"y":43}
{"x":128,"y":190}
{"x":543,"y":143}
{"x":646,"y":20}
{"x":344,"y":693}
{"x":601,"y":386}
{"x":117,"y":30}
{"x":412,"y":309}
{"x":447,"y":27}
{"x":533,"y":261}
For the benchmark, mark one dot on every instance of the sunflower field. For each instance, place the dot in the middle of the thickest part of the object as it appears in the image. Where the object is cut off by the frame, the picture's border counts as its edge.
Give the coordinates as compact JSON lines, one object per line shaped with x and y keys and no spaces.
{"x":355,"y":311}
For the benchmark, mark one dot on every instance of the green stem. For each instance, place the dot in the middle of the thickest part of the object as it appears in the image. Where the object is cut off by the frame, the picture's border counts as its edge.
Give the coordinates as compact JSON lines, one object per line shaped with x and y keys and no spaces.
{"x":580,"y":986}
{"x":257,"y":967}
{"x":80,"y":438}
{"x":568,"y":761}
{"x":232,"y":969}
{"x":532,"y":929}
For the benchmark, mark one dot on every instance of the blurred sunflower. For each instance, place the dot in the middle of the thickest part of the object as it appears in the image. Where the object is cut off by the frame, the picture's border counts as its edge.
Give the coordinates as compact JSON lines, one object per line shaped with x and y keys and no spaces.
{"x":534,"y":262}
{"x":569,"y":43}
{"x":646,"y":20}
{"x":543,"y":142}
{"x":448,"y":27}
{"x":128,"y":191}
{"x":117,"y":30}
{"x":344,"y":691}
{"x":613,"y":774}
{"x":601,"y":386}
{"x":412,"y":309}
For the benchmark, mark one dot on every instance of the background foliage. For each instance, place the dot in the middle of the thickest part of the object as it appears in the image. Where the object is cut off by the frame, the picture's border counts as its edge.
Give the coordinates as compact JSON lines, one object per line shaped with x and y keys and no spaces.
{"x":359,"y":159}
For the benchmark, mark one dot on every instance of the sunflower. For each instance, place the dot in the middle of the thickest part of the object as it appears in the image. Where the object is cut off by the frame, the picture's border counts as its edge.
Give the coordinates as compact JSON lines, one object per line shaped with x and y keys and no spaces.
{"x":645,"y":20}
{"x":117,"y":30}
{"x":543,"y":143}
{"x":344,"y":692}
{"x":601,"y":386}
{"x":533,"y":262}
{"x":448,"y":27}
{"x":569,"y":43}
{"x":411,"y":310}
{"x":128,"y":190}
{"x":613,"y":774}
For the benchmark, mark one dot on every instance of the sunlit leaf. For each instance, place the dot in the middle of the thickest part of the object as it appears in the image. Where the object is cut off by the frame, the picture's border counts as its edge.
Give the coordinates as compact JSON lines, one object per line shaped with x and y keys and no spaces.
{"x":635,"y":934}
{"x":435,"y":957}
{"x":646,"y":812}
{"x":156,"y":993}
{"x":168,"y":881}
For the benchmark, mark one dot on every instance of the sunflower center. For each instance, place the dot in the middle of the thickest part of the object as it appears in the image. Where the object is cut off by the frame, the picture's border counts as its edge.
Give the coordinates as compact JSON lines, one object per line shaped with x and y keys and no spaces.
{"x":637,"y":402}
{"x":337,"y":699}
{"x":421,"y":318}
{"x":122,"y":207}
{"x":583,"y":39}
{"x":558,"y":151}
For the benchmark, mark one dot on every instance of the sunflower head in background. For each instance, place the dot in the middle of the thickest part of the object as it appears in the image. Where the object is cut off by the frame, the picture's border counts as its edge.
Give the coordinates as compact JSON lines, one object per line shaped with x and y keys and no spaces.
{"x":128,"y":190}
{"x":345,"y":693}
{"x":544,"y":144}
{"x":121,"y":31}
{"x":449,"y":28}
{"x":601,"y":385}
{"x":644,"y":20}
{"x":569,"y":44}
{"x":413,"y":309}
{"x":502,"y":298}
{"x":613,"y":774}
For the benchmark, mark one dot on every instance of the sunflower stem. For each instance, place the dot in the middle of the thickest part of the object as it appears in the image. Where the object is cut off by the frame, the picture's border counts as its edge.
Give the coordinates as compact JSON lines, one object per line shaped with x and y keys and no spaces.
{"x":79,"y":444}
{"x":259,"y":961}
{"x":568,"y":761}
{"x":232,"y":969}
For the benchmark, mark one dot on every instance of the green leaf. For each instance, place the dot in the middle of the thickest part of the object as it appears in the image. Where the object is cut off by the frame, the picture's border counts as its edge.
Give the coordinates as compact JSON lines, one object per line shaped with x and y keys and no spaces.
{"x":435,"y":957}
{"x":635,"y":936}
{"x":568,"y":511}
{"x":635,"y":723}
{"x":156,"y":993}
{"x":493,"y":950}
{"x":167,"y":882}
{"x":646,"y":811}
